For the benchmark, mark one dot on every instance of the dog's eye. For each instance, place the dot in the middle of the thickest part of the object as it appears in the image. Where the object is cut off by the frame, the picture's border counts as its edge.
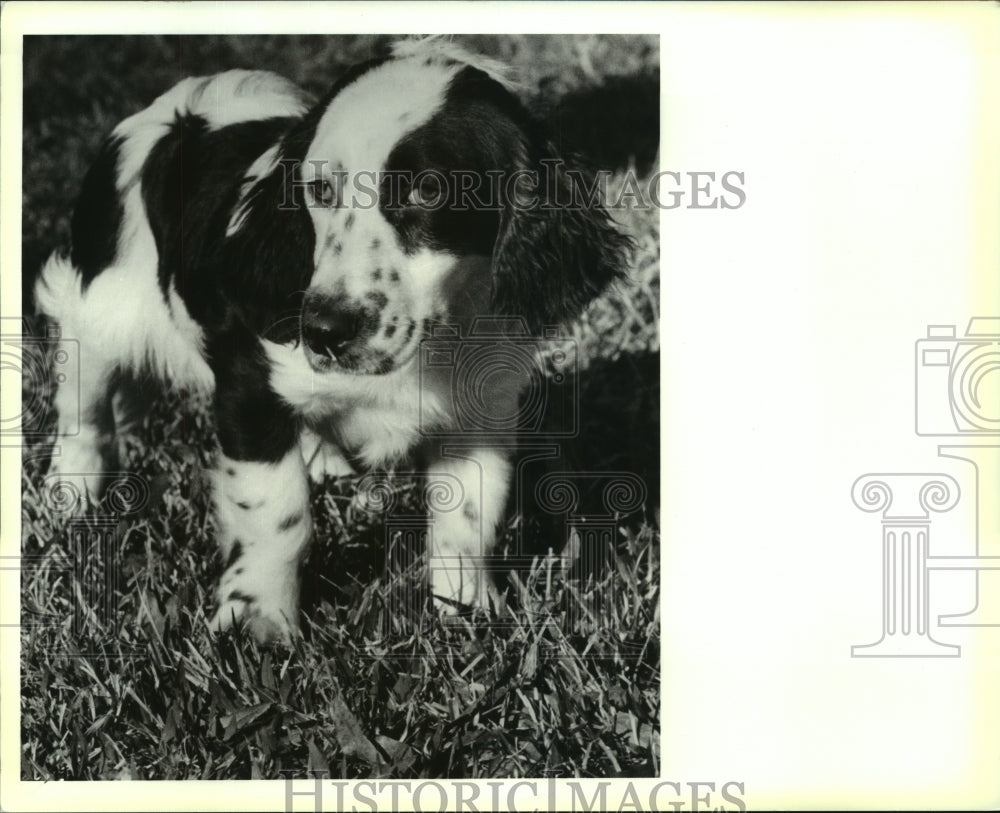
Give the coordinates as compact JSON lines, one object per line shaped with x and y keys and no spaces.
{"x":429,"y":192}
{"x":323,"y":192}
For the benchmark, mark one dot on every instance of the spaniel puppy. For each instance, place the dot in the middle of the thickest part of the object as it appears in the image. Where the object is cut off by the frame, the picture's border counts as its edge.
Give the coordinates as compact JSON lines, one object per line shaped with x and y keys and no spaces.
{"x":290,"y":258}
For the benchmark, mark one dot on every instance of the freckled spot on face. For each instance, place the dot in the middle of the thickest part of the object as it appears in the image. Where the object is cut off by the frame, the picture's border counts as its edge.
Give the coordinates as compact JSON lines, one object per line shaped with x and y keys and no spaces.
{"x":338,"y":247}
{"x":329,"y":240}
{"x":377,"y":298}
{"x":389,"y":331}
{"x":349,"y":222}
{"x":384,"y":364}
{"x":231,"y":471}
{"x":395,"y":319}
{"x":393,"y":275}
{"x":376,"y":243}
{"x":409,"y":330}
{"x":377,"y":274}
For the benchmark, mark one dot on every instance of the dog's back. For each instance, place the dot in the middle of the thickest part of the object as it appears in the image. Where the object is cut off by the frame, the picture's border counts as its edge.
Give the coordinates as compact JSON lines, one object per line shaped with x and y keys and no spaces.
{"x":150,"y":163}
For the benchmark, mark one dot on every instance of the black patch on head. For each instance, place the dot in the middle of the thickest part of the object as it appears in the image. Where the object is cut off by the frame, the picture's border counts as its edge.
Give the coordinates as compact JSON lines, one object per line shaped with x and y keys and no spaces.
{"x":291,"y":521}
{"x":235,"y":553}
{"x":377,"y":274}
{"x":393,"y":275}
{"x":553,"y":253}
{"x":231,"y":471}
{"x":389,"y":331}
{"x":477,"y":130}
{"x":98,"y":215}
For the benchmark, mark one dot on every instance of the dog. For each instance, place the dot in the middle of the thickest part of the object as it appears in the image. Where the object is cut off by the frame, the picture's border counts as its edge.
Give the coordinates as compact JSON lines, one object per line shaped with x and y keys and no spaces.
{"x":287,"y":258}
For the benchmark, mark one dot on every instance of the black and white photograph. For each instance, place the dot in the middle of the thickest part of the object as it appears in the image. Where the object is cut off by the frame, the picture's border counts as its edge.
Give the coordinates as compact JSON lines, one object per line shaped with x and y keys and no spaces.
{"x":340,"y":407}
{"x":489,"y":405}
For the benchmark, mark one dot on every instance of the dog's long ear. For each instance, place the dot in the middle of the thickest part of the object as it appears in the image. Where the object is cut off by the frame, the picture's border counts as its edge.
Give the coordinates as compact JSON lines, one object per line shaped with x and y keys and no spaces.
{"x":558,"y":246}
{"x":268,"y":259}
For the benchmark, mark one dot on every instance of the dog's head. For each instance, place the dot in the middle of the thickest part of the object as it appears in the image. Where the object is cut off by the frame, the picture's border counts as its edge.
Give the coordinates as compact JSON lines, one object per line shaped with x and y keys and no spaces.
{"x":432,"y":196}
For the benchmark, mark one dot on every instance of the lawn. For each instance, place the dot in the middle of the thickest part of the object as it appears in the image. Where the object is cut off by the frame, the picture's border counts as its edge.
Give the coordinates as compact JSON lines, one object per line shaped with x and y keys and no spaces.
{"x":124,"y":680}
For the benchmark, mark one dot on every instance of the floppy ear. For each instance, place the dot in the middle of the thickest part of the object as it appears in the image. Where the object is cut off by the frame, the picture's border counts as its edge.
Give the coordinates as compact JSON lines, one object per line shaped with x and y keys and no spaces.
{"x":557,"y":248}
{"x":267,"y":260}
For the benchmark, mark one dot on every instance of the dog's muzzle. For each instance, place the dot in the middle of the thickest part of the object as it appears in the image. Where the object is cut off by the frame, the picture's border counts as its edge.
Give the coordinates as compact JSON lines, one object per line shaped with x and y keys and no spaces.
{"x":336,"y":331}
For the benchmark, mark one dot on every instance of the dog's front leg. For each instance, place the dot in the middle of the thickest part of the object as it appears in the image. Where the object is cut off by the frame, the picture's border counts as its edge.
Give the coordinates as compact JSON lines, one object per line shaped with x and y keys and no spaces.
{"x":262,"y":503}
{"x":463,"y":532}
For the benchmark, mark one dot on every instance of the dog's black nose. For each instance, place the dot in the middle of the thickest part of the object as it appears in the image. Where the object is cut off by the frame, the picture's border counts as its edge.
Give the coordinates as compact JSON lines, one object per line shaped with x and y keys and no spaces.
{"x":330,"y":324}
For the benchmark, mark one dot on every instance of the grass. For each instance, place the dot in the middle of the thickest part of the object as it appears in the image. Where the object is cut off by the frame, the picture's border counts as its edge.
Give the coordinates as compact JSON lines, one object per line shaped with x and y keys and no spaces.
{"x":560,"y":680}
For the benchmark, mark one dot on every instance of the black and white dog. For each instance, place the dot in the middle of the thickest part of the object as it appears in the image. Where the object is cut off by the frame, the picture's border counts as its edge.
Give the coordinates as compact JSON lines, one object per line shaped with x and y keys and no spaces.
{"x":289,"y":257}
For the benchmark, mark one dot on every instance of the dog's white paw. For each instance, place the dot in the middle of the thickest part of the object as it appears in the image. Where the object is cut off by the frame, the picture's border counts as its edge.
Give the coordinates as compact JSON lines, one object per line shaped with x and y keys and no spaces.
{"x":268,"y":626}
{"x":271,"y":614}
